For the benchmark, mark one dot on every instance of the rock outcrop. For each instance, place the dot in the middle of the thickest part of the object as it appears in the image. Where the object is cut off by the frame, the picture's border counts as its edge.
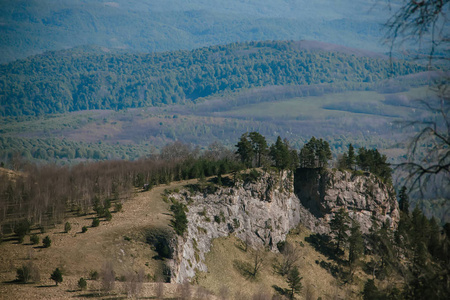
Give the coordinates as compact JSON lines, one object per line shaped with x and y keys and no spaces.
{"x":363,"y":195}
{"x":262,"y":212}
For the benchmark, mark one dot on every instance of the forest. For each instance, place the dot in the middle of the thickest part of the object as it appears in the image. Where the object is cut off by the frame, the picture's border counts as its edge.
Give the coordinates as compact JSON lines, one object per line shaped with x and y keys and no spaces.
{"x":72,"y":80}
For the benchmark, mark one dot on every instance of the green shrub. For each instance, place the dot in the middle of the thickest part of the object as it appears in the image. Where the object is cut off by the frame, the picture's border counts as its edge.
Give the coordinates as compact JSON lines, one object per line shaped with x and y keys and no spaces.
{"x":108,"y":215}
{"x":118,"y":207}
{"x":93,"y":275}
{"x":28,"y":273}
{"x":67,"y":227}
{"x":95,"y":222}
{"x":107,"y":204}
{"x":22,"y":229}
{"x":46,"y":242}
{"x":34,"y":239}
{"x":84,"y":229}
{"x":180,"y":221}
{"x":82,"y":284}
{"x":217,"y":219}
{"x":23,"y":274}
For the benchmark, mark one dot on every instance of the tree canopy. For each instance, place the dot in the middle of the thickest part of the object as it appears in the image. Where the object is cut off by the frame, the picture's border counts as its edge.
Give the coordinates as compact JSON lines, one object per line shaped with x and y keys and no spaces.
{"x":70,"y":80}
{"x":315,"y":154}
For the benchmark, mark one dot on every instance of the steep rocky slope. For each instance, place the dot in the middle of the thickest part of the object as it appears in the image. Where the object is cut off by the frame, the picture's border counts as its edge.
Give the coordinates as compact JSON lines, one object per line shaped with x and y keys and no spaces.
{"x":364,"y":196}
{"x":262,"y":212}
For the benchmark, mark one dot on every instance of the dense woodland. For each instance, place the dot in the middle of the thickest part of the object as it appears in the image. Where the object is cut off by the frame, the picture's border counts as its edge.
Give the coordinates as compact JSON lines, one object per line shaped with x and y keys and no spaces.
{"x":72,"y":80}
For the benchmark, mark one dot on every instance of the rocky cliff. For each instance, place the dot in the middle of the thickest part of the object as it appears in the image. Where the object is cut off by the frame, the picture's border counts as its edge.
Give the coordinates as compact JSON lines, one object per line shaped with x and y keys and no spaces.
{"x":364,"y":195}
{"x":261,"y":212}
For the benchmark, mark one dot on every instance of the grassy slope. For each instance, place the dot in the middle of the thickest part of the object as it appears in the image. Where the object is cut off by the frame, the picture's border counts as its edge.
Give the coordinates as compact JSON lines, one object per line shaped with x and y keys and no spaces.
{"x":79,"y":253}
{"x":222,"y":275}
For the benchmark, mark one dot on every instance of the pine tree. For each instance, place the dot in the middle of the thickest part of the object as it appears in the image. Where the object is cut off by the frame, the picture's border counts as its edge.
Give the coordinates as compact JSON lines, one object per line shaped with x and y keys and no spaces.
{"x":47,"y":242}
{"x":245,"y":150}
{"x":351,"y":159}
{"x":280,"y":154}
{"x":339,"y":227}
{"x":259,"y":145}
{"x":403,"y":200}
{"x":356,"y":245}
{"x":315,"y":154}
{"x":82,"y":284}
{"x":293,"y":280}
{"x":56,"y":276}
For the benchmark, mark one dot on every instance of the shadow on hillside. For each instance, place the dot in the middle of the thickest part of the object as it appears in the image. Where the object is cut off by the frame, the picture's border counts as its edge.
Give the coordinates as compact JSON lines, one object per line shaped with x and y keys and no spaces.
{"x":46,"y":286}
{"x":322,"y":243}
{"x":244,"y":268}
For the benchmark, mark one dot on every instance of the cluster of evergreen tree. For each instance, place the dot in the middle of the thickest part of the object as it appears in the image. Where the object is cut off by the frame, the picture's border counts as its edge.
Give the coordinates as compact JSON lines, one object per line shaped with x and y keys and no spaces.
{"x":57,"y":82}
{"x":254,"y":151}
{"x":417,"y":251}
{"x":369,"y":160}
{"x":315,"y":154}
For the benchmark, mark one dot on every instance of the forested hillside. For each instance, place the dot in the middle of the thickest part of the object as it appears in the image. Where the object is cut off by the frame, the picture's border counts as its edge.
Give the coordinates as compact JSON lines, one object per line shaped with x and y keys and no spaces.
{"x":70,"y":80}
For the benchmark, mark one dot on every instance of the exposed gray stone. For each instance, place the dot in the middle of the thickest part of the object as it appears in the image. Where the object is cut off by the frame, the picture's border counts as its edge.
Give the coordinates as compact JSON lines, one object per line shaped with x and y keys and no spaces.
{"x":364,"y":196}
{"x":262,"y":213}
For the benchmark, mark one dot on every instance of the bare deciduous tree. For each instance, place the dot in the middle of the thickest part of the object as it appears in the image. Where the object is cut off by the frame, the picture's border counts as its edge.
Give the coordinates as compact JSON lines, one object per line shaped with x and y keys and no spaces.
{"x":134,"y":281}
{"x":202,"y":293}
{"x":184,"y":291}
{"x":108,"y":277}
{"x":159,"y":290}
{"x":258,"y":260}
{"x":224,"y":293}
{"x":290,"y":256}
{"x":424,"y":23}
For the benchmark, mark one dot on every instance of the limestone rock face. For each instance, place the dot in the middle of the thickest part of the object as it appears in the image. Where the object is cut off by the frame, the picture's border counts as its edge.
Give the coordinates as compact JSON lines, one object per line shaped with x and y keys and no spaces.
{"x":259,"y":213}
{"x":262,"y":212}
{"x":364,"y":196}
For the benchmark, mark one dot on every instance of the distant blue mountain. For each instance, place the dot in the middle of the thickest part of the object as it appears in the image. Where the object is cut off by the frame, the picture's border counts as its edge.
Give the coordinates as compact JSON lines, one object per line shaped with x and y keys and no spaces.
{"x":33,"y":26}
